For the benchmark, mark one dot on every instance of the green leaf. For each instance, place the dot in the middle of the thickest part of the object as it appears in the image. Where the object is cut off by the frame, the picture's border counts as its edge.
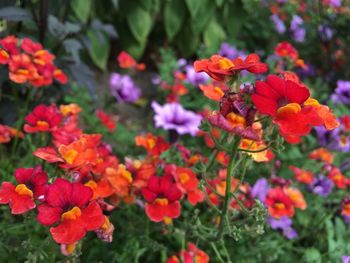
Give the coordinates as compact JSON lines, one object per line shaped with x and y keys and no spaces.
{"x":214,"y":35}
{"x":203,"y":17}
{"x":140,"y":23}
{"x":193,"y":6}
{"x":312,"y":255}
{"x":99,"y":48}
{"x":187,"y":41}
{"x":235,"y":19}
{"x":219,"y":3}
{"x":174,"y":17}
{"x":81,"y":9}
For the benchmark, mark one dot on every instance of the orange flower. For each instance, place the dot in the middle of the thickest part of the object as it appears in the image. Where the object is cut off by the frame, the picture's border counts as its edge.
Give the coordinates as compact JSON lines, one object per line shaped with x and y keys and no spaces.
{"x":322,"y":154}
{"x":336,"y":176}
{"x":303,"y":176}
{"x":154,"y":145}
{"x":297,"y":197}
{"x":212,"y":92}
{"x":220,"y":68}
{"x":127,"y":61}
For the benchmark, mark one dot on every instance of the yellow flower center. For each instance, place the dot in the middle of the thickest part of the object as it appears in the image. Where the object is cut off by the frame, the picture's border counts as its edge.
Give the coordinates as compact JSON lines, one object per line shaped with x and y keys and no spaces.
{"x":235,"y":119}
{"x":184,"y":177}
{"x":70,"y":156}
{"x":167,"y":220}
{"x":161,"y":201}
{"x":279,"y":206}
{"x":289,"y":108}
{"x":225,"y":63}
{"x":72,"y":214}
{"x":42,"y":124}
{"x":22,"y":189}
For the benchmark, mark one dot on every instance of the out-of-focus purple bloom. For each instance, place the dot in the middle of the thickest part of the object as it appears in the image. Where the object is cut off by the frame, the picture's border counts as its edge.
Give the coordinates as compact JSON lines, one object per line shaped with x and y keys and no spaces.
{"x":346,"y":219}
{"x":279,"y":25}
{"x":231,"y":52}
{"x":156,"y":80}
{"x":345,"y":259}
{"x":284,"y":224}
{"x":172,"y":116}
{"x":335,"y":140}
{"x":325,"y":31}
{"x":297,"y":29}
{"x":195,"y":78}
{"x":181,"y":62}
{"x":341,"y":94}
{"x":325,"y":136}
{"x":123,"y":88}
{"x":307,"y":72}
{"x":334,"y":3}
{"x":321,"y":186}
{"x":260,"y":189}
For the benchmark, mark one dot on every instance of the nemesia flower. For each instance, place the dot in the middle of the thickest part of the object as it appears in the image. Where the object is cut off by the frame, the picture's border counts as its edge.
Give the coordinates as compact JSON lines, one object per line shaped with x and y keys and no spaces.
{"x":345,"y":259}
{"x":260,"y":189}
{"x":7,"y":133}
{"x":162,"y":196}
{"x":302,"y":176}
{"x":195,"y":78}
{"x":291,"y":108}
{"x":279,"y":203}
{"x":346,"y":207}
{"x":336,"y":176}
{"x":154,"y":145}
{"x":321,"y":186}
{"x":220,"y":68}
{"x":285,"y":49}
{"x":172,"y":116}
{"x":43,"y":119}
{"x":32,"y":184}
{"x":105,"y":232}
{"x":284,"y":224}
{"x":212,"y":92}
{"x":297,"y":29}
{"x":297,"y":197}
{"x":192,"y":254}
{"x":68,"y":205}
{"x":127,"y":61}
{"x":325,"y":31}
{"x":123,"y":88}
{"x":322,"y":154}
{"x":279,"y":25}
{"x":230,"y":52}
{"x":189,"y":183}
{"x":341,"y":94}
{"x":106,"y":120}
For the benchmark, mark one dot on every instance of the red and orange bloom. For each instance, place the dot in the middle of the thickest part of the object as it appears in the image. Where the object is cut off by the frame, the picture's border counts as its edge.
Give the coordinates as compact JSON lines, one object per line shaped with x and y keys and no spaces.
{"x":212,"y":91}
{"x":220,"y":68}
{"x":279,"y":203}
{"x":188,"y":182}
{"x":336,"y":176}
{"x":322,"y":154}
{"x":192,"y":254}
{"x":162,"y":196}
{"x":297,"y":197}
{"x":68,"y":205}
{"x":107,"y":120}
{"x":32,"y":184}
{"x":286,"y":49}
{"x":291,"y":108}
{"x":154,"y":145}
{"x":21,"y":68}
{"x":126,"y":61}
{"x":43,"y":119}
{"x":301,"y":175}
{"x":346,"y":207}
{"x":7,"y":133}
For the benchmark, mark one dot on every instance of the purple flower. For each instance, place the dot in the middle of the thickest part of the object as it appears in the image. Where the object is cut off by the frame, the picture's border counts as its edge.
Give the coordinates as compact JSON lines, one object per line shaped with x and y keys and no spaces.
{"x":345,"y":259}
{"x":231,"y":52}
{"x":284,"y":224}
{"x":195,"y":78}
{"x":123,"y":88}
{"x":325,"y":31}
{"x":172,"y":116}
{"x":334,"y":3}
{"x":335,"y":140}
{"x":260,"y":189}
{"x":321,"y":186}
{"x":341,"y":94}
{"x":346,"y":219}
{"x":279,"y":25}
{"x":307,"y":72}
{"x":297,"y":29}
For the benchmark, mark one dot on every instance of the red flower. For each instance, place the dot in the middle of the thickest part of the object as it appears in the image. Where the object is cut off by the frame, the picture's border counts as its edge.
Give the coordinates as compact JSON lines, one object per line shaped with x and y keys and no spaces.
{"x":286,"y":49}
{"x":7,"y":133}
{"x":219,"y":68}
{"x":290,"y":106}
{"x":154,"y":145}
{"x":192,"y":254}
{"x":42,"y":119}
{"x":106,"y":120}
{"x":279,"y":203}
{"x":303,"y":176}
{"x":32,"y":185}
{"x":21,"y":68}
{"x":346,"y":207}
{"x":127,"y":61}
{"x":322,"y":154}
{"x":67,"y":204}
{"x":188,"y":181}
{"x":336,"y":176}
{"x":162,"y":196}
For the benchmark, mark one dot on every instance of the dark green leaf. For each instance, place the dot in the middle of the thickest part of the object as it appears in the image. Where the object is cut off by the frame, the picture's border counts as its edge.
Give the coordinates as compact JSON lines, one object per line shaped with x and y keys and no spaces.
{"x":99,"y":49}
{"x":140,"y":23}
{"x":204,"y":14}
{"x":81,"y":9}
{"x":193,"y":6}
{"x":174,"y":17}
{"x":213,"y":36}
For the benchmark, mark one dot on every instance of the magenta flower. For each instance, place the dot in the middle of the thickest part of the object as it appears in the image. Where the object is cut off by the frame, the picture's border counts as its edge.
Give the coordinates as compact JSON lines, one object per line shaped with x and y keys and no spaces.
{"x":172,"y":116}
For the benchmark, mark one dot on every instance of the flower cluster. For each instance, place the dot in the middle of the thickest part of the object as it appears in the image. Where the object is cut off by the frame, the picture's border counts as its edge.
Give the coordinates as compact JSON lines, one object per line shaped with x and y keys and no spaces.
{"x":29,"y":62}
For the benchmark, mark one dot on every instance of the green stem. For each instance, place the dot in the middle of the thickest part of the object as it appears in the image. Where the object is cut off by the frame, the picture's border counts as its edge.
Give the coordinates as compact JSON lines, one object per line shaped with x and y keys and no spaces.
{"x":231,"y":167}
{"x":217,"y":252}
